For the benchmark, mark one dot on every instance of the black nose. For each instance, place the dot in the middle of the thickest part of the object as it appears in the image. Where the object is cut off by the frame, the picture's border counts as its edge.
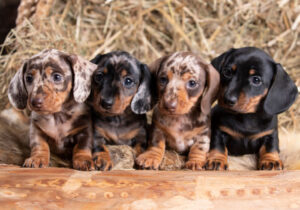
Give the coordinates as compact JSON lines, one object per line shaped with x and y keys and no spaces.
{"x":107,"y":103}
{"x":37,"y":102}
{"x":230,"y":100}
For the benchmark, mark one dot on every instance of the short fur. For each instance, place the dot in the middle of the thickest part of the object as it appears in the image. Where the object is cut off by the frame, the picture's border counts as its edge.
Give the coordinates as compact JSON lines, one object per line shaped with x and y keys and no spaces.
{"x":120,"y":98}
{"x":186,"y":87}
{"x":53,"y":85}
{"x":254,"y":89}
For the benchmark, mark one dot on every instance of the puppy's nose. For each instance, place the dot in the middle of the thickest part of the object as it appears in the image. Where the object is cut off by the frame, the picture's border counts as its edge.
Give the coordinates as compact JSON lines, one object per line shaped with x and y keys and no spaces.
{"x":107,"y":103}
{"x":171,"y":105}
{"x":37,"y":102}
{"x":230,"y":100}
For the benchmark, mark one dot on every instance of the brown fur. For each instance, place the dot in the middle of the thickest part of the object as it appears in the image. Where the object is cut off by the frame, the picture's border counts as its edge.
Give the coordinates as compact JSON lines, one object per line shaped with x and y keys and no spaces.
{"x":58,"y":122}
{"x":244,"y":104}
{"x":269,"y":160}
{"x":231,"y":132}
{"x":217,"y":157}
{"x":185,"y":127}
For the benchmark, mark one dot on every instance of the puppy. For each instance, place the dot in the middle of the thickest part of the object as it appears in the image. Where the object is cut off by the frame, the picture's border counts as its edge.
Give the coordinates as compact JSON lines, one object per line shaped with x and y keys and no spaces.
{"x":254,"y":90}
{"x":53,"y":85}
{"x":120,"y":98}
{"x":186,"y":87}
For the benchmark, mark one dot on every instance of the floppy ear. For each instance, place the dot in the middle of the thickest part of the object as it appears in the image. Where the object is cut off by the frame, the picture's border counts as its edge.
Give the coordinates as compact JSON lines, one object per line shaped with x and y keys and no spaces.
{"x":220,"y":60}
{"x":282,"y":93}
{"x":212,"y":87}
{"x":141,"y":102}
{"x":17,"y":93}
{"x":82,"y":71}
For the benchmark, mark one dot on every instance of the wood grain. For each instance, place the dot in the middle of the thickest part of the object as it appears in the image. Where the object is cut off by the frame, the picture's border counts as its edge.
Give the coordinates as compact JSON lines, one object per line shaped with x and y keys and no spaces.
{"x":58,"y":188}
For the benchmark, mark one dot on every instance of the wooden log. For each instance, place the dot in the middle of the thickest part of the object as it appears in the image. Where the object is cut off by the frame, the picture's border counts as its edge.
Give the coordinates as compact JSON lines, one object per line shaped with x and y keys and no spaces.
{"x":57,"y":188}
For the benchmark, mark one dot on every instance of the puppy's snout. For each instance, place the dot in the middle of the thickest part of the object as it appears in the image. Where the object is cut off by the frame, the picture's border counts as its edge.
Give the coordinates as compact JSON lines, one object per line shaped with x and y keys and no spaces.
{"x":171,"y":105}
{"x":230,"y":99}
{"x":37,"y":102}
{"x":107,"y":103}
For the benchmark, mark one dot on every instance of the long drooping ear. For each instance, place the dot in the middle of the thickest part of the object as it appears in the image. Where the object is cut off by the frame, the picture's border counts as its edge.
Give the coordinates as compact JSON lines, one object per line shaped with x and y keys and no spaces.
{"x":220,"y":60}
{"x":82,"y":71}
{"x":211,"y":89}
{"x":17,"y":93}
{"x":282,"y":93}
{"x":141,"y":102}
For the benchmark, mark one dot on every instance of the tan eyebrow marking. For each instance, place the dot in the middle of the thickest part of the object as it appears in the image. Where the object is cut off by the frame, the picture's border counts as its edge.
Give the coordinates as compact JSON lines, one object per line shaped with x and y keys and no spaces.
{"x":234,"y":67}
{"x":252,"y":71}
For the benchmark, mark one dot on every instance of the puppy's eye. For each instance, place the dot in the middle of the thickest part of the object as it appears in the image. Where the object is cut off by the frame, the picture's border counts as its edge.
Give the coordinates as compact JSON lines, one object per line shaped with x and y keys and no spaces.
{"x":98,"y":77}
{"x":163,"y":80}
{"x":227,"y":73}
{"x":57,"y":77}
{"x":128,"y":82}
{"x":29,"y":78}
{"x":256,"y":80}
{"x":191,"y":84}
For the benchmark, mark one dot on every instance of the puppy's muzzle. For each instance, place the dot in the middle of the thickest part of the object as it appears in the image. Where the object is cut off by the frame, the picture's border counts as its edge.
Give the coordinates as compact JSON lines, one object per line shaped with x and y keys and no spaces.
{"x":170,"y":105}
{"x":37,"y":102}
{"x":230,"y":99}
{"x":107,"y":103}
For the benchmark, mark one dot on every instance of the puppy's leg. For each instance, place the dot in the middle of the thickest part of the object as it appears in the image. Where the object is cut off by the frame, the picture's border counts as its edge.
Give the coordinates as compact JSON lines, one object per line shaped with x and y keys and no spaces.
{"x":269,"y":153}
{"x":217,"y":157}
{"x":82,"y":152}
{"x":40,"y":152}
{"x":198,"y":153}
{"x":139,"y":143}
{"x":152,"y":158}
{"x":101,"y":155}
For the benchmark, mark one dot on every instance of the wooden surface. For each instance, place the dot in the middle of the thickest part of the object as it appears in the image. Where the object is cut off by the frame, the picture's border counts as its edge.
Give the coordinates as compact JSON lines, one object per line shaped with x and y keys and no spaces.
{"x":58,"y":188}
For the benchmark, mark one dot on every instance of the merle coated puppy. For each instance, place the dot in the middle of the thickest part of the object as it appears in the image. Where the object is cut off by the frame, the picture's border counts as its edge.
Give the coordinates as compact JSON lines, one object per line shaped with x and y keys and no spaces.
{"x":120,"y":98}
{"x":254,"y":90}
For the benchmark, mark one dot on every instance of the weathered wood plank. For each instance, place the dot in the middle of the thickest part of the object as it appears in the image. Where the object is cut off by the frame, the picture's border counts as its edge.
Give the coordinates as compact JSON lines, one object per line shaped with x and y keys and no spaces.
{"x":56,"y":188}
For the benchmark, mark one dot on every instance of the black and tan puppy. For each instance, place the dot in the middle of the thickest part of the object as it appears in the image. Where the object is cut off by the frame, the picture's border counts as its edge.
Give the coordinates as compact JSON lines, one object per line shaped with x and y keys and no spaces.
{"x":120,"y":98}
{"x":186,"y":87}
{"x":54,"y":85}
{"x":254,"y":89}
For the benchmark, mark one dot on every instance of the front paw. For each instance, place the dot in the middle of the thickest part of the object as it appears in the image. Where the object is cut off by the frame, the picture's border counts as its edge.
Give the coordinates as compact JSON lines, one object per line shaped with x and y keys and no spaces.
{"x":149,"y":160}
{"x":36,"y":162}
{"x":102,"y":161}
{"x":195,"y":165}
{"x":270,"y":164}
{"x":83,"y":163}
{"x":216,"y":165}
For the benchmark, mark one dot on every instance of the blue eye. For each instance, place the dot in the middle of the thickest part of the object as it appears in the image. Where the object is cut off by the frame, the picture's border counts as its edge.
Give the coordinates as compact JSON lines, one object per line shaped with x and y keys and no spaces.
{"x":128,"y":82}
{"x":29,"y":78}
{"x":191,"y":84}
{"x":57,"y":77}
{"x":256,"y":80}
{"x":98,"y":76}
{"x":163,"y":80}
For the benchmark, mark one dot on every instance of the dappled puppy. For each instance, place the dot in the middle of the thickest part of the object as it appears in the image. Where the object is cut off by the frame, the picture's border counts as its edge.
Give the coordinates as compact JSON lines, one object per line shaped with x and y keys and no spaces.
{"x":54,"y":85}
{"x":186,"y":87}
{"x":120,"y":98}
{"x":254,"y":90}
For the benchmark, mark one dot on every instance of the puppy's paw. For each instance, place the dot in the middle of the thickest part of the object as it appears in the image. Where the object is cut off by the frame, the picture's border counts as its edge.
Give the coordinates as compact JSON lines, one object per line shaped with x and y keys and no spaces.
{"x":36,"y":162}
{"x":83,"y":163}
{"x":149,"y":160}
{"x":195,"y":164}
{"x":216,"y":164}
{"x":102,"y":161}
{"x":268,"y":164}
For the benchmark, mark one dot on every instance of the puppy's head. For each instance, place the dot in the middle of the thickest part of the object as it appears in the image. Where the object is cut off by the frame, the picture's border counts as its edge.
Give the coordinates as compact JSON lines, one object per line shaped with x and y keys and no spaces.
{"x":45,"y":81}
{"x":251,"y":80}
{"x":183,"y":80}
{"x":120,"y":81}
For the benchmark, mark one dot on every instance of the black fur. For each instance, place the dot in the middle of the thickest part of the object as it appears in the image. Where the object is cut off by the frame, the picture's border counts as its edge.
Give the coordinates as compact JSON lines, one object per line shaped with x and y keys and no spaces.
{"x":280,"y":93}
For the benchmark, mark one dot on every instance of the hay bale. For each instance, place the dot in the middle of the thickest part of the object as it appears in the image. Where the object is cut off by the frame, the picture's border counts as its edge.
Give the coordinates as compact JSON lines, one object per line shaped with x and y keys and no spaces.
{"x":149,"y":29}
